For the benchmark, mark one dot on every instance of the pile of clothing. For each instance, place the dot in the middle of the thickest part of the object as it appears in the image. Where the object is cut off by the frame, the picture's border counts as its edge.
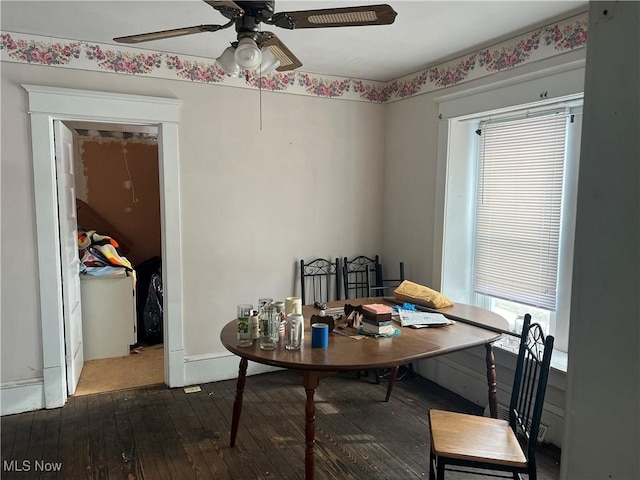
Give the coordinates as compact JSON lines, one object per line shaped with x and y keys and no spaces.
{"x":99,"y":255}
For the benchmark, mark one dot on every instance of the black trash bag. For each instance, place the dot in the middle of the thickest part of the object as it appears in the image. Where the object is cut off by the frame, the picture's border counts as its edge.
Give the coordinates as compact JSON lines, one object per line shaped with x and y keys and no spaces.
{"x":153,"y":311}
{"x":144,"y":271}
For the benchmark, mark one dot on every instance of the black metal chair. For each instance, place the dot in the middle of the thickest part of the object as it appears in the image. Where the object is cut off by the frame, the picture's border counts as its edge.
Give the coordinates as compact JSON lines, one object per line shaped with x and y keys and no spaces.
{"x":355,"y":279}
{"x":468,"y":441}
{"x":380,"y":286}
{"x":322,"y":276}
{"x":356,"y":275}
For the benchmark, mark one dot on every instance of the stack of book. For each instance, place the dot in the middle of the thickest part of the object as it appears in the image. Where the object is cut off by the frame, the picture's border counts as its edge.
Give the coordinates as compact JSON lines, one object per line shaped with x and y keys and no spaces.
{"x":377,"y":319}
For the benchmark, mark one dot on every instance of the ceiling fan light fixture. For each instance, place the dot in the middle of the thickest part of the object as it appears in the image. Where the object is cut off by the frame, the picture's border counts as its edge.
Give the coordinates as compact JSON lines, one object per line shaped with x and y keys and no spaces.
{"x":248,"y":54}
{"x":227,"y":62}
{"x":269,"y":61}
{"x":254,"y":43}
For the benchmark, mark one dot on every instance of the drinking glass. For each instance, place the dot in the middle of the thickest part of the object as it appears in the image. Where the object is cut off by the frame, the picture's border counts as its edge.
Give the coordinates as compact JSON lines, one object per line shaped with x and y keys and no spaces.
{"x":244,"y":331}
{"x":269,"y":323}
{"x":279,"y":306}
{"x":264,"y":302}
{"x":293,"y":305}
{"x":293,"y":331}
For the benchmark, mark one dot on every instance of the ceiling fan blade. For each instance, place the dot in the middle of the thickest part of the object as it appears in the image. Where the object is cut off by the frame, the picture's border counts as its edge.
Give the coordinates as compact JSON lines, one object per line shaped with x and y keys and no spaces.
{"x":288,"y":61}
{"x":336,"y":17}
{"x":176,"y":32}
{"x":228,"y":8}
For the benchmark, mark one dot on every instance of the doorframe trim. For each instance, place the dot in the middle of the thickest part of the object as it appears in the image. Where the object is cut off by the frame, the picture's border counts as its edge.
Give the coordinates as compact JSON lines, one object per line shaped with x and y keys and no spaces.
{"x":47,"y":104}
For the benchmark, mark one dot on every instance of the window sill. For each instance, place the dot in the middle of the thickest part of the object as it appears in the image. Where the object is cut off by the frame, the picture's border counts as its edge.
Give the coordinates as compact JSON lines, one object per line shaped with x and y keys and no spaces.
{"x":559,"y":360}
{"x":510,"y":344}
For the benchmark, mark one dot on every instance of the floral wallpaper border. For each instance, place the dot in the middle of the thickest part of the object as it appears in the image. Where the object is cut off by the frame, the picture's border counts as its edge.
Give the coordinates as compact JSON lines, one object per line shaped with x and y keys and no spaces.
{"x":545,"y":42}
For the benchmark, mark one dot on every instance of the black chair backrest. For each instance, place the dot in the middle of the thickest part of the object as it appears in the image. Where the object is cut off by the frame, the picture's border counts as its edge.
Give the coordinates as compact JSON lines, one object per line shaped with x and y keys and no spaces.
{"x":322,"y":276}
{"x":530,"y":384}
{"x":383,"y":286}
{"x":355,"y":275}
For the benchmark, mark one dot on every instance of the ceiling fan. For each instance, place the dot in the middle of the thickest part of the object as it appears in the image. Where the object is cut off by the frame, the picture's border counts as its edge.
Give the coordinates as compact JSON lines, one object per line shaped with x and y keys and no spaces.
{"x":255,"y":48}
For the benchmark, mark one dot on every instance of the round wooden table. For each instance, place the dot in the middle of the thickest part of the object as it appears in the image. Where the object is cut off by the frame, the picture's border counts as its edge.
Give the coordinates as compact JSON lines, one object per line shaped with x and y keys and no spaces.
{"x":344,"y":353}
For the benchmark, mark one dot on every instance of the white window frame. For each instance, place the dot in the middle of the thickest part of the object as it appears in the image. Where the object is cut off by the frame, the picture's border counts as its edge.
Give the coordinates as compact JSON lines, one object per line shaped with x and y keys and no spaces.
{"x":550,"y":84}
{"x":459,"y":212}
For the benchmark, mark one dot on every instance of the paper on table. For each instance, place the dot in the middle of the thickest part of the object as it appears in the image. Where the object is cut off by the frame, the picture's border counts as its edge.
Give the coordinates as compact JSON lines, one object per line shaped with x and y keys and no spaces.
{"x":410,"y":318}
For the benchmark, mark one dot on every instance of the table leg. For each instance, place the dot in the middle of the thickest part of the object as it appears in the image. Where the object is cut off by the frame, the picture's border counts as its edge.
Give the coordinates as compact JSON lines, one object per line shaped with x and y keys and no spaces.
{"x":392,"y":381}
{"x":491,"y":380}
{"x":311,"y":380}
{"x":237,"y":404}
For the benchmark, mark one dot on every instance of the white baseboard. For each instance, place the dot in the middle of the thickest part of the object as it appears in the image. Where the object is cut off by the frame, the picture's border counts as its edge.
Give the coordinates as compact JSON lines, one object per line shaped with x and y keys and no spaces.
{"x":27,"y":395}
{"x":21,"y":396}
{"x":212,"y":367}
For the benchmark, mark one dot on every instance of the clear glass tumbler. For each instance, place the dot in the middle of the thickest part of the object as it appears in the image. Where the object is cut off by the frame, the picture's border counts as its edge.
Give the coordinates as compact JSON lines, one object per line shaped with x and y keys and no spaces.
{"x":279,"y":306}
{"x":293,"y":331}
{"x":269,"y":323}
{"x":244,"y":330}
{"x":264,"y":302}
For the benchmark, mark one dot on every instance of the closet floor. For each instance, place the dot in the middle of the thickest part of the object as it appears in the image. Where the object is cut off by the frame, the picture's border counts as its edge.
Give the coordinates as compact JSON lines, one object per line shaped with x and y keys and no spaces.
{"x":134,"y":370}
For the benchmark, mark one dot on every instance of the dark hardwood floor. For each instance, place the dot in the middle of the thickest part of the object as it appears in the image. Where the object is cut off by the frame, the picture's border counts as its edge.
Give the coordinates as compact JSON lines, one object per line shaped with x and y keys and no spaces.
{"x":160,"y":433}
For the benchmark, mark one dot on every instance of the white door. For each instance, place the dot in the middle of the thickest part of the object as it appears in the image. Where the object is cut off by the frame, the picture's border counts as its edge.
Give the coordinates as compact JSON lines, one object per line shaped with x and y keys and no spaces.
{"x":74,"y":355}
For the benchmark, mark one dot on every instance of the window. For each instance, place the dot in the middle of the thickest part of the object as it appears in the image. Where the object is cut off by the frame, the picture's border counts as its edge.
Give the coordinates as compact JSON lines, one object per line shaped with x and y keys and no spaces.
{"x":518,"y":206}
{"x":510,"y":214}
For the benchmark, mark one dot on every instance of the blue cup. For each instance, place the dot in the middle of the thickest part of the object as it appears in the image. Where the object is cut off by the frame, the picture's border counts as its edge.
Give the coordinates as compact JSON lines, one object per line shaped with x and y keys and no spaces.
{"x":319,"y":335}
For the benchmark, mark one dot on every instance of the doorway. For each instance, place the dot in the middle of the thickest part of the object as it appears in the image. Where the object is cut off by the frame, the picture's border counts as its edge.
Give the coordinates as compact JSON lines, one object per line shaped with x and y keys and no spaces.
{"x":47,"y":104}
{"x":116,"y":179}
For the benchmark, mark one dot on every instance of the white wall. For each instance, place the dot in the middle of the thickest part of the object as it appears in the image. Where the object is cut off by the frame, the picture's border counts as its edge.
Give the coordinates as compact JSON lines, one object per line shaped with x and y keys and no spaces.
{"x":409,"y":185}
{"x":602,"y":437}
{"x":253,"y":202}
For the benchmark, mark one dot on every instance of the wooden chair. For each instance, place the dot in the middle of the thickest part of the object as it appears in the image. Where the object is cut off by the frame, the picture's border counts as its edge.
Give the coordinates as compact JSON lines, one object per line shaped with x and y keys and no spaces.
{"x":321,"y":275}
{"x":356,"y":276}
{"x":469,"y":441}
{"x":380,"y":286}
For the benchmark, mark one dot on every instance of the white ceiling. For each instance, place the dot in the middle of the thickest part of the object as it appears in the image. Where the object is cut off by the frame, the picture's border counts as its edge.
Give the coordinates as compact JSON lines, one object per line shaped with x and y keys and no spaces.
{"x":424,"y":33}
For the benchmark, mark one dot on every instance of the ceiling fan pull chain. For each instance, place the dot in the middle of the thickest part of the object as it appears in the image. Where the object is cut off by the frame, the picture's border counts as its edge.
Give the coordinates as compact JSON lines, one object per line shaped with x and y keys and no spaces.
{"x":260,"y":92}
{"x":260,"y":85}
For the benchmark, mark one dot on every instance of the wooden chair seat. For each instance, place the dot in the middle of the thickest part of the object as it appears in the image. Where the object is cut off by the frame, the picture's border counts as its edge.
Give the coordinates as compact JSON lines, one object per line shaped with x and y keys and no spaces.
{"x":465,"y":443}
{"x":474,"y":438}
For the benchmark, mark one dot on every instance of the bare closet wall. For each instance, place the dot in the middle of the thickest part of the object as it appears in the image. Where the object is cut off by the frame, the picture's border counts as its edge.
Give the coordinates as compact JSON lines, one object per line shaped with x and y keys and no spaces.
{"x":117,"y":176}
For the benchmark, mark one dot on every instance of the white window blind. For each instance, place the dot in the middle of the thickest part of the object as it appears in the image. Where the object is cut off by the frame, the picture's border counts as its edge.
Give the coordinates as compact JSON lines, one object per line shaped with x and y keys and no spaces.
{"x":519,"y":208}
